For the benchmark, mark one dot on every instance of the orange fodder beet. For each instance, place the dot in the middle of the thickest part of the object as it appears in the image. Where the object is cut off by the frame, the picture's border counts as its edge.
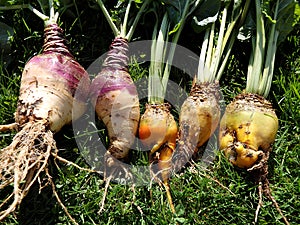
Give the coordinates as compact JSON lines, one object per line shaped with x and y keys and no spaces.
{"x":158,"y":131}
{"x":158,"y":127}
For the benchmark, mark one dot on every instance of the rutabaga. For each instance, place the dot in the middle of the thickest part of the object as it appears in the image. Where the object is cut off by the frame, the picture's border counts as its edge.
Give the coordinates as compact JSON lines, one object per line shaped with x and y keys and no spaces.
{"x":114,"y":95}
{"x":113,"y":92}
{"x":46,"y":103}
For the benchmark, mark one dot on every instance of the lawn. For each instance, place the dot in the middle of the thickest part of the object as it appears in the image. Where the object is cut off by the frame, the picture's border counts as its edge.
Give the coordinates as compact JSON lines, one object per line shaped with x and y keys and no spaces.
{"x":214,"y":193}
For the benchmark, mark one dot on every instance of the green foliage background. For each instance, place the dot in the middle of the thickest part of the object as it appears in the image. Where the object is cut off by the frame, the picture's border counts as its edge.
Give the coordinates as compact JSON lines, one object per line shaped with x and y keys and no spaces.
{"x":200,"y":196}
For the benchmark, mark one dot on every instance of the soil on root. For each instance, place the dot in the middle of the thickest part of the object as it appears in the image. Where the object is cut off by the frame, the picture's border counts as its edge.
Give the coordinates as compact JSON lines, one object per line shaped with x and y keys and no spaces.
{"x":23,"y":161}
{"x":259,"y":173}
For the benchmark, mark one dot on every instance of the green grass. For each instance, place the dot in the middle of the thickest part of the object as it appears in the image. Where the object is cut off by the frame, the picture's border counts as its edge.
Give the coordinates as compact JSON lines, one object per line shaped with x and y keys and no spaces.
{"x":219,"y":194}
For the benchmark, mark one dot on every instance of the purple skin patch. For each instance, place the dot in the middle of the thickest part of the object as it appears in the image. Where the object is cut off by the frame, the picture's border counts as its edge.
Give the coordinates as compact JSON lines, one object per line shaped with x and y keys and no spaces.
{"x":66,"y":67}
{"x":114,"y":73}
{"x":57,"y":59}
{"x":110,"y":80}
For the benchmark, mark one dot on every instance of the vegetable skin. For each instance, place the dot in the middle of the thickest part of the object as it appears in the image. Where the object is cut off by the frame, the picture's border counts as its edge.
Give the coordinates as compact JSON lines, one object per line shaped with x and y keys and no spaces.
{"x":200,"y":113}
{"x":52,"y":77}
{"x":252,"y":123}
{"x":48,"y":96}
{"x":248,"y":130}
{"x":199,"y":118}
{"x":158,"y":131}
{"x":114,"y":96}
{"x":158,"y":127}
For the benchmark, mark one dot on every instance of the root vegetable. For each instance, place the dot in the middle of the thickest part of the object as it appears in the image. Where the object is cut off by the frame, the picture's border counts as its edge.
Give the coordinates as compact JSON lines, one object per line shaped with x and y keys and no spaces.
{"x":247,"y":133}
{"x":158,"y":127}
{"x":249,"y":125}
{"x":113,"y":92}
{"x":200,"y":113}
{"x":46,"y":103}
{"x":49,"y":82}
{"x":247,"y":130}
{"x":115,"y":97}
{"x":199,"y":118}
{"x":158,"y":131}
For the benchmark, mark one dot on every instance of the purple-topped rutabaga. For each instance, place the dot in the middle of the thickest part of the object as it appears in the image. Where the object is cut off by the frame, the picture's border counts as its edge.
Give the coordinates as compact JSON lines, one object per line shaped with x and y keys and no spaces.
{"x":114,"y":95}
{"x":114,"y":73}
{"x":53,"y":77}
{"x":54,"y":91}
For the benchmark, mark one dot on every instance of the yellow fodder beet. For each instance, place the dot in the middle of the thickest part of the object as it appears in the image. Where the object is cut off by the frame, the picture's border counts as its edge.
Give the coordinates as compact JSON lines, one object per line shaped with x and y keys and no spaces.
{"x":247,"y":130}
